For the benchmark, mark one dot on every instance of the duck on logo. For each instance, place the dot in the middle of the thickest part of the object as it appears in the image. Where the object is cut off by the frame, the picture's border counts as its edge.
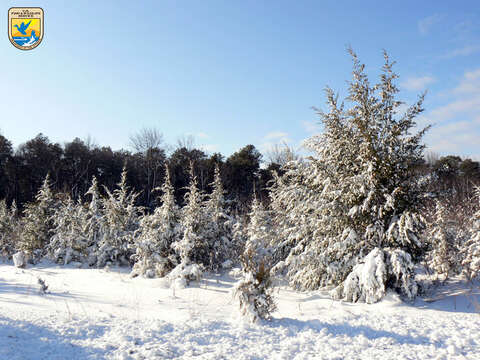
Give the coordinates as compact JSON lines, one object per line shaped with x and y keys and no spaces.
{"x":25,"y":27}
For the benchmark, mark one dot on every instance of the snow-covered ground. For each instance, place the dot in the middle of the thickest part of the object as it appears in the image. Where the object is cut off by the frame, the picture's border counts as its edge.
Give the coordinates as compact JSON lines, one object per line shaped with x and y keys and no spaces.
{"x":105,"y":314}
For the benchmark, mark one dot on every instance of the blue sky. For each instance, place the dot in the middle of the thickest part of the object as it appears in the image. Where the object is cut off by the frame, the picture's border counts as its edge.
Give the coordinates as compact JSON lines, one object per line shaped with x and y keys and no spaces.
{"x":233,"y":73}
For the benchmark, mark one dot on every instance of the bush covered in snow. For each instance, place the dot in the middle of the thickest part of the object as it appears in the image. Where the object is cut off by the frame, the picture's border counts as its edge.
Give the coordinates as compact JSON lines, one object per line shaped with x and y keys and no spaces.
{"x":254,"y":294}
{"x":19,"y":259}
{"x":254,"y":290}
{"x":181,"y":276}
{"x":378,"y":271}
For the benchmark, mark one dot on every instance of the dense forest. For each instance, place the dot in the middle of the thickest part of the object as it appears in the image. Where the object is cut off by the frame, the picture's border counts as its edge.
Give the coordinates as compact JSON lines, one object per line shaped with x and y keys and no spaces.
{"x":72,"y":165}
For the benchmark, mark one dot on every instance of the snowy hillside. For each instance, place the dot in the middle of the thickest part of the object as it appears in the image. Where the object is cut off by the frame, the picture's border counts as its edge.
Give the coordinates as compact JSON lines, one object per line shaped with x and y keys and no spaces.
{"x":106,"y":314}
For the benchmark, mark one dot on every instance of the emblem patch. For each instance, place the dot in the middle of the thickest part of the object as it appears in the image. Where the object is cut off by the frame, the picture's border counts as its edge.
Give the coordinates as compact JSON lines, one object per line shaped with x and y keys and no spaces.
{"x":25,"y":27}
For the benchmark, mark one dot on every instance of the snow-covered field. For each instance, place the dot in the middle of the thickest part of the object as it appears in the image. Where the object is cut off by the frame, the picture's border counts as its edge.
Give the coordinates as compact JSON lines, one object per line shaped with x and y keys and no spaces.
{"x":105,"y":314}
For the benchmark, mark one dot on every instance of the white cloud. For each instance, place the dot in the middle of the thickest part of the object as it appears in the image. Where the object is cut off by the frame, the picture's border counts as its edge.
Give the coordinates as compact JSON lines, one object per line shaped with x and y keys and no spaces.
{"x":425,"y":25}
{"x":472,"y":75}
{"x":274,"y":138}
{"x":276,"y":135}
{"x":417,"y":83}
{"x":456,"y":127}
{"x":470,"y":83}
{"x":463,"y":51}
{"x":456,"y":108}
{"x":455,"y":143}
{"x":190,"y":140}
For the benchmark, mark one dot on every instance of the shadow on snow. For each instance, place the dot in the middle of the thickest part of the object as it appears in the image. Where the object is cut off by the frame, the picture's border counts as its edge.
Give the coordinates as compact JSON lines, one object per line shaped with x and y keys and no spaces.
{"x":24,"y":340}
{"x":293,"y":326}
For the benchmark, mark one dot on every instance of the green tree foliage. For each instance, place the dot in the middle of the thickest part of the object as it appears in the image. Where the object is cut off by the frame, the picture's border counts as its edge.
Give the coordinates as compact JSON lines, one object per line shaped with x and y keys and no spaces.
{"x":241,"y":170}
{"x":179,"y":163}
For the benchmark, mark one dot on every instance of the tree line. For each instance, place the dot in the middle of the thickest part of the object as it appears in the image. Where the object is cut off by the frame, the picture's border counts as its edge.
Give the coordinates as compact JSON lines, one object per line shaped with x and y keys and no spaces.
{"x":72,"y":166}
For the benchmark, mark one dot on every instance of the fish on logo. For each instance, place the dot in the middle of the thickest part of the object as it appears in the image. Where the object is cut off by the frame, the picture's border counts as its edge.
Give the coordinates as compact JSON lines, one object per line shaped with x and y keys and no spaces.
{"x":25,"y":27}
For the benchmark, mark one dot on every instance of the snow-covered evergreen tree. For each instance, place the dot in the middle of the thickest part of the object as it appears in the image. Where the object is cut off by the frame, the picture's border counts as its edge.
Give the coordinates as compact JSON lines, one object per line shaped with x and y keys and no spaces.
{"x":295,"y":219}
{"x":121,"y":220}
{"x":238,"y":226}
{"x":156,"y":234}
{"x":219,"y":224}
{"x":37,"y":223}
{"x":260,"y":231}
{"x":254,"y":290}
{"x":68,"y":242}
{"x":470,"y":250}
{"x":94,"y":222}
{"x":360,"y":190}
{"x":9,"y":228}
{"x":444,"y":255}
{"x":193,"y":247}
{"x":192,"y":221}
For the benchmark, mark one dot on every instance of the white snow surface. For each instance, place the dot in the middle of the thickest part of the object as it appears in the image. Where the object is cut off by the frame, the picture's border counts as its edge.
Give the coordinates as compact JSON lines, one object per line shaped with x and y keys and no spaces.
{"x":106,"y":314}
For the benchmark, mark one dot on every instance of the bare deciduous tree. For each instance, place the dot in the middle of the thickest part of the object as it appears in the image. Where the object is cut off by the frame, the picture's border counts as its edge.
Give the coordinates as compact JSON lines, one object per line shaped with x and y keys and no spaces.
{"x":90,"y":142}
{"x":146,"y":139}
{"x":186,"y":141}
{"x":281,"y":154}
{"x":431,"y":157}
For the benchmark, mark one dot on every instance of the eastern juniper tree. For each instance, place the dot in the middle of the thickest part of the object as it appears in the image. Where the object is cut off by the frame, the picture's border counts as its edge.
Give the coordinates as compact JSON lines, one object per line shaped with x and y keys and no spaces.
{"x":121,"y":222}
{"x":295,"y":218}
{"x":9,"y":229}
{"x":192,"y":248}
{"x":94,"y":222}
{"x":219,"y":224}
{"x":444,"y":255}
{"x":37,"y":223}
{"x":470,"y":250}
{"x":156,"y":234}
{"x":360,"y":189}
{"x":69,"y":241}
